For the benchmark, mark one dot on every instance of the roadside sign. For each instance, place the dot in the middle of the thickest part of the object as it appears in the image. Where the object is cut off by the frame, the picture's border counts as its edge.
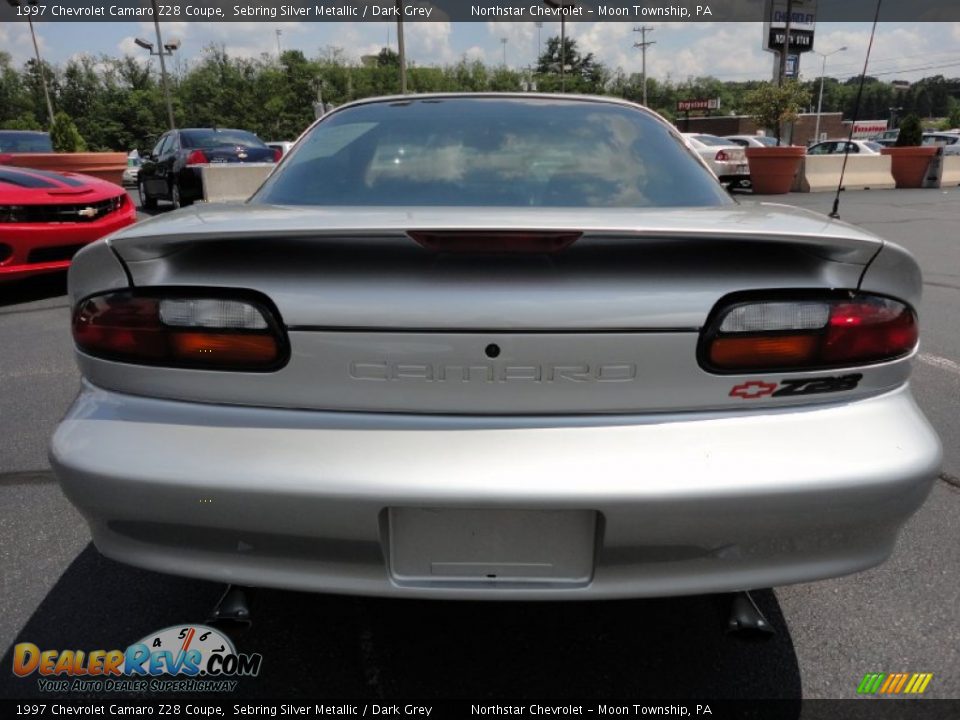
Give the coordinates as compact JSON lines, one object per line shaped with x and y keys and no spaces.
{"x":699,"y":104}
{"x":793,"y":66}
{"x":803,"y":24}
{"x":866,"y":129}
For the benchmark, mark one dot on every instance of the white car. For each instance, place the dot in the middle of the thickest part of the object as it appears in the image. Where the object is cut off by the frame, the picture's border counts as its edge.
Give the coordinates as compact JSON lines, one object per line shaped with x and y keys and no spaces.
{"x":839,"y":147}
{"x":949,"y":141}
{"x":727,"y":159}
{"x":131,"y":172}
{"x":752,"y":140}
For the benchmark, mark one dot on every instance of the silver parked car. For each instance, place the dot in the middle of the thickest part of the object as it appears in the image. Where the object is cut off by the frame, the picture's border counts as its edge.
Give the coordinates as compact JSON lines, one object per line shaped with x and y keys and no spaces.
{"x":495,"y":346}
{"x":725,"y":157}
{"x":752,"y":140}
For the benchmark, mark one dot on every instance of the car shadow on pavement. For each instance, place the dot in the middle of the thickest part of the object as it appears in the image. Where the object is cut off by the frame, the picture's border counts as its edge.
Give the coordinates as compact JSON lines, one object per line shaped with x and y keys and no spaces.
{"x":326,"y":646}
{"x":32,"y":289}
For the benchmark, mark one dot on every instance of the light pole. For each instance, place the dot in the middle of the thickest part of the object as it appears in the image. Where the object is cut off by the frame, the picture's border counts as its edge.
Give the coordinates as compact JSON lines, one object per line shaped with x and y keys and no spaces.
{"x":162,"y":51}
{"x":279,"y":51}
{"x":539,"y":26}
{"x":823,"y":72}
{"x":36,"y":50}
{"x":503,"y":41}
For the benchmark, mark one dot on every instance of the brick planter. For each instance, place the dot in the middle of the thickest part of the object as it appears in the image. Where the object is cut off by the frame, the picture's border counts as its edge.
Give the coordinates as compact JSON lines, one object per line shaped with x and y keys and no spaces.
{"x":107,"y":166}
{"x":772,"y":169}
{"x":910,"y":164}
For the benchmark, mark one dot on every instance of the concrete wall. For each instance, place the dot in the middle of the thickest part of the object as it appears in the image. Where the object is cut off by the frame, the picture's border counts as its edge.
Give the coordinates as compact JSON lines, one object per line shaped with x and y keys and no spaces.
{"x":821,"y":173}
{"x":233,"y":182}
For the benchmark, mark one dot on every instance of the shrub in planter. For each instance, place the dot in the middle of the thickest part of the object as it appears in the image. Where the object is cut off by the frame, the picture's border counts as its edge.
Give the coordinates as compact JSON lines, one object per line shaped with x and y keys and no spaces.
{"x":909,"y":159}
{"x":65,"y":136}
{"x":71,"y":155}
{"x":773,"y":169}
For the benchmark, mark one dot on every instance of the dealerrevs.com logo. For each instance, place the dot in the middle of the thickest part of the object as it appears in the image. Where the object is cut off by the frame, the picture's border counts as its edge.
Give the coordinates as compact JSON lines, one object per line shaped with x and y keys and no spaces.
{"x":180,"y":658}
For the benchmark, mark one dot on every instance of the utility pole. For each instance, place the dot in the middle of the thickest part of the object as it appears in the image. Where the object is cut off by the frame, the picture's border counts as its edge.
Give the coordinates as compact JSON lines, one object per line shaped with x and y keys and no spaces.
{"x":539,"y":26}
{"x":279,"y":33}
{"x":563,"y":54}
{"x":643,"y":45}
{"x":784,"y":54}
{"x":503,"y":41}
{"x":400,"y":50}
{"x":36,"y":50}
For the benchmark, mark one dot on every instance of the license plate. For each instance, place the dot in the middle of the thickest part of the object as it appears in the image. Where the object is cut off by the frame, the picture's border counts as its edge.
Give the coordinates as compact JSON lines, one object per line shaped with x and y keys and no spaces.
{"x":438,"y":545}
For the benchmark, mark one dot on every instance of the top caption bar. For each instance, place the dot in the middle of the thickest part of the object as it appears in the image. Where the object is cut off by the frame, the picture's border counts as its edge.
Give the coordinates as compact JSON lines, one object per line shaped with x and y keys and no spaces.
{"x":677,"y":11}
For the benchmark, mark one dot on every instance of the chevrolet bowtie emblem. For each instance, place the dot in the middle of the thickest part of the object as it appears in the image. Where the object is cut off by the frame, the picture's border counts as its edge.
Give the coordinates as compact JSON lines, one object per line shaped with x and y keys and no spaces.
{"x":87,"y":212}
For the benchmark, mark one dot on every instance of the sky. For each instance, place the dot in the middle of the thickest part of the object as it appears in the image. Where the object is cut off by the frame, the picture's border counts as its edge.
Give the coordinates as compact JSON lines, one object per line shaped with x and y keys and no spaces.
{"x":728,"y":51}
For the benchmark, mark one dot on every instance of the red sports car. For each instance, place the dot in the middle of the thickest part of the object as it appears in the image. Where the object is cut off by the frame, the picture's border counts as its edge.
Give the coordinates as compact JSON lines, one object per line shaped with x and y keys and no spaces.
{"x":46,"y":217}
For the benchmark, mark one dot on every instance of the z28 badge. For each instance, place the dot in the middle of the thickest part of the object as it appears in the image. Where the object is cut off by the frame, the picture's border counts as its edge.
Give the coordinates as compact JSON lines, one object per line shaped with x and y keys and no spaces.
{"x":755,"y":389}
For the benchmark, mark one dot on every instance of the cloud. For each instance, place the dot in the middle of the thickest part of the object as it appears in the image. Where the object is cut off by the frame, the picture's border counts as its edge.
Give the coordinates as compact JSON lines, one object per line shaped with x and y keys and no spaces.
{"x":731,"y":49}
{"x":429,"y":42}
{"x":15,"y":39}
{"x":897,"y":49}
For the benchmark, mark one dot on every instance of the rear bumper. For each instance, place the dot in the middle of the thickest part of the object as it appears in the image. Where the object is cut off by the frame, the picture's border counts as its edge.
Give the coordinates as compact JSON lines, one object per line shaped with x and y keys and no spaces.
{"x":59,"y":240}
{"x":685,"y":504}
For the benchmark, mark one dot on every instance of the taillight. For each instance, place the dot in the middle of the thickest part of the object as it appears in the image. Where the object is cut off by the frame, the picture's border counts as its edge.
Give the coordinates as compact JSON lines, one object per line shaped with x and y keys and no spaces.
{"x":277,"y":154}
{"x":222,"y":333}
{"x":197,"y":157}
{"x":722,"y":156}
{"x":773,"y":335}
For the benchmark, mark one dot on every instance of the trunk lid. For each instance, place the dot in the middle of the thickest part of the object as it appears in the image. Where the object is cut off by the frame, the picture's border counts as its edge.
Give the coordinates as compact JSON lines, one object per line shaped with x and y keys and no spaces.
{"x":378,"y":323}
{"x":238,"y":153}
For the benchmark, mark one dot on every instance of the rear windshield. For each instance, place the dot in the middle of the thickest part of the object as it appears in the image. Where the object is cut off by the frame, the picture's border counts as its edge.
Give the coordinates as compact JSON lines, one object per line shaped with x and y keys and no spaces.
{"x":213,"y":138}
{"x":12,"y":141}
{"x":494,"y":152}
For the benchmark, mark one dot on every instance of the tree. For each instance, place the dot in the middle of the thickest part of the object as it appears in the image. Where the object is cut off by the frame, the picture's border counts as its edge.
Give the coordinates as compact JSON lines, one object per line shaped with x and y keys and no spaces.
{"x":65,"y":136}
{"x":23,"y":122}
{"x":388,"y":58}
{"x":772,"y":106}
{"x":953,"y":121}
{"x":583,"y":72}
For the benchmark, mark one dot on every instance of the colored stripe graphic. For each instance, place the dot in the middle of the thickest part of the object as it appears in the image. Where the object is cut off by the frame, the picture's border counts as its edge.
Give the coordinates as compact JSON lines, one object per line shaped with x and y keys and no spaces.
{"x":894,"y":683}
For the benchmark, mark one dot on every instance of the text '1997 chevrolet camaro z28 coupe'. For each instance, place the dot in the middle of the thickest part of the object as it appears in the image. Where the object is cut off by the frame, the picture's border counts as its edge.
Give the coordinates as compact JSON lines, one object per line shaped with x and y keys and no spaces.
{"x":495,"y":346}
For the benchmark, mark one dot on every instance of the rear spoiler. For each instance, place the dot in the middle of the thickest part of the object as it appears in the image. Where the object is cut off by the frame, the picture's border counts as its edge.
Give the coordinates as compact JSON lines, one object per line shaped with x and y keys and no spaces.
{"x":764,"y":223}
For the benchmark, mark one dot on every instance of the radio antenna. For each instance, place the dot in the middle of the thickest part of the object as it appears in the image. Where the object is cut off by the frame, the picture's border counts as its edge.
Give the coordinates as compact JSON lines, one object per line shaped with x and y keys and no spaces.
{"x":835,"y":213}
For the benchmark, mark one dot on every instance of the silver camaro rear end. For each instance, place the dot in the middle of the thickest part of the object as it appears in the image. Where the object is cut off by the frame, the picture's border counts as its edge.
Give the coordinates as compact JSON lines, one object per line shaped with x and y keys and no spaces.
{"x":535,"y":353}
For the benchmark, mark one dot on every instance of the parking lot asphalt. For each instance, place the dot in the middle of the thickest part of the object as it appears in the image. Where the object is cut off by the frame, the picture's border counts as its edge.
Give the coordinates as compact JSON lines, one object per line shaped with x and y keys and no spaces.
{"x":58,"y":592}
